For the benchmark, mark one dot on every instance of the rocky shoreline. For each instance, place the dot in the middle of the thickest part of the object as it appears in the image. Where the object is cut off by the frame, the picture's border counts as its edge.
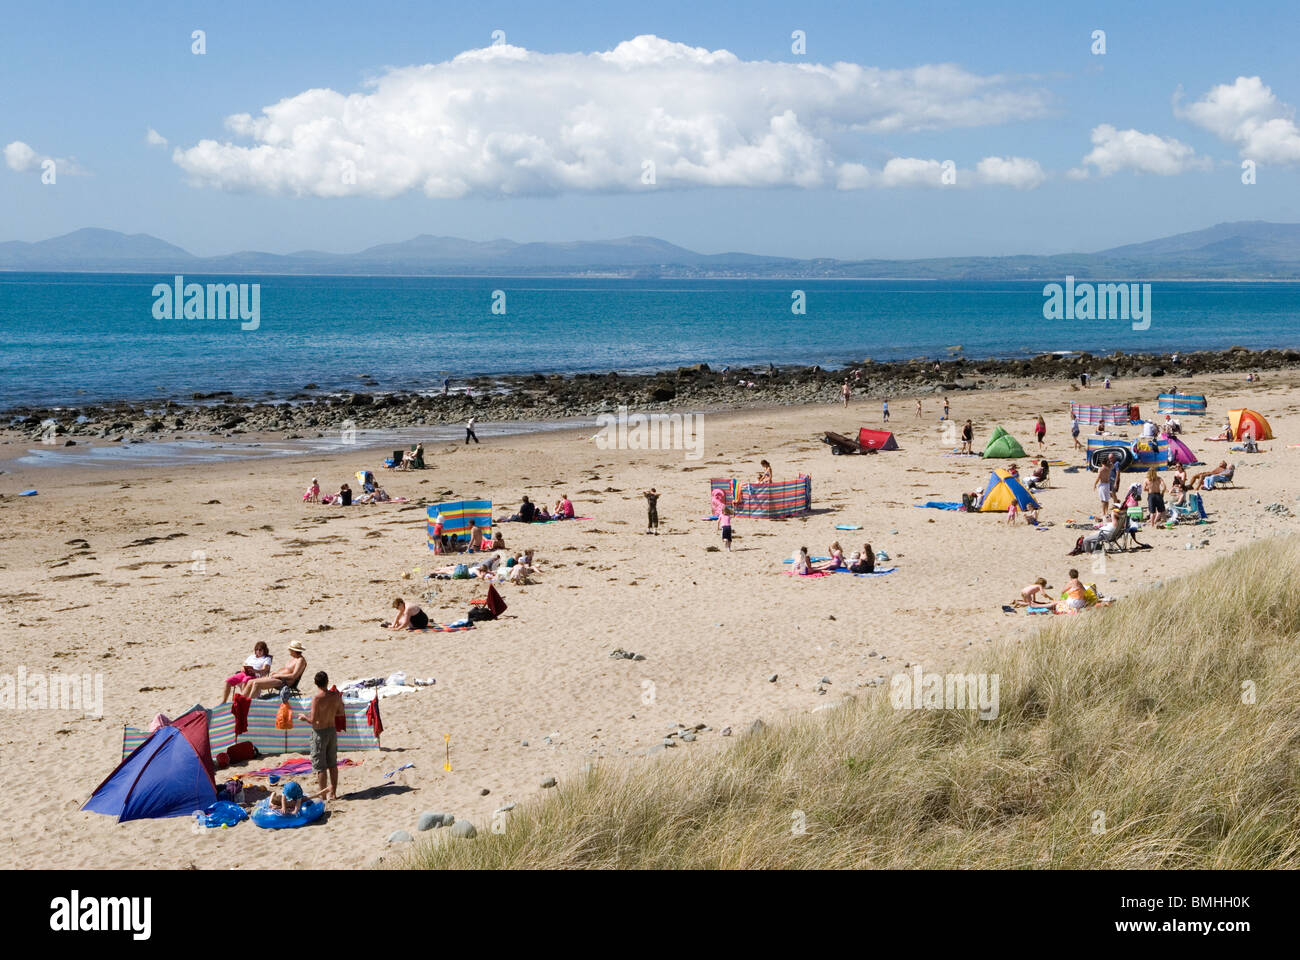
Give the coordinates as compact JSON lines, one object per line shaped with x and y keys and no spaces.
{"x":549,"y":398}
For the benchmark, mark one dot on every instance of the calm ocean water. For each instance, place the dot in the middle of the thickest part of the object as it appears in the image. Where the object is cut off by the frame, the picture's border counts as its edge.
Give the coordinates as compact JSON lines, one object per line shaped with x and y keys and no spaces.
{"x":71,"y":339}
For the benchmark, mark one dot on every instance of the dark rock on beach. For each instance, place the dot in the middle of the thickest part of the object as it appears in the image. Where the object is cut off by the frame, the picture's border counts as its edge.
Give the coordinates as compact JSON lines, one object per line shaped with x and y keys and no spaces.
{"x":538,"y":397}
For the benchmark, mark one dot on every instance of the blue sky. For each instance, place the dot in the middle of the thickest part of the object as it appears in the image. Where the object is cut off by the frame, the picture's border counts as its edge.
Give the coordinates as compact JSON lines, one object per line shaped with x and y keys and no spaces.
{"x":82,"y":83}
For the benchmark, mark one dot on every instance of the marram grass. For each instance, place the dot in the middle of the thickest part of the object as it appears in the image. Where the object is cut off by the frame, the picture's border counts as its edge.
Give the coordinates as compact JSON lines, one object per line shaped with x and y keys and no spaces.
{"x":1125,"y":739}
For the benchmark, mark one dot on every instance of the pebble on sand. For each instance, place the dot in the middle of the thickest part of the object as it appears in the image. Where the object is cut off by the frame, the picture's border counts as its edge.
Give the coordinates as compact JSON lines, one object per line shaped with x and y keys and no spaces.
{"x":430,"y":819}
{"x":548,"y":783}
{"x":399,"y":836}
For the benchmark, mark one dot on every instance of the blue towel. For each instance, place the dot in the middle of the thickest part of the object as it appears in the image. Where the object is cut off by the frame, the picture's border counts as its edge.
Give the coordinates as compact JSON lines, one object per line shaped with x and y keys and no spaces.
{"x":876,"y":573}
{"x":846,"y":526}
{"x":940,"y":504}
{"x":813,"y":559}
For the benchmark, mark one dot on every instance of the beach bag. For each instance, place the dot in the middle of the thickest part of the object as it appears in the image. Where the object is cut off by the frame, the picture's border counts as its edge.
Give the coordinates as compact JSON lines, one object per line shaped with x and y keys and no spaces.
{"x":479,"y":613}
{"x":284,"y":717}
{"x":240,"y":752}
{"x":222,"y":761}
{"x":1078,"y":548}
{"x":460,"y":573}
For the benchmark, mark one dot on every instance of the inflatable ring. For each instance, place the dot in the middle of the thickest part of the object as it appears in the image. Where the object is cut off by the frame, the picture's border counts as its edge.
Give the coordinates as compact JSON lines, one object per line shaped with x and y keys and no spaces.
{"x":1098,"y":456}
{"x":264,"y":816}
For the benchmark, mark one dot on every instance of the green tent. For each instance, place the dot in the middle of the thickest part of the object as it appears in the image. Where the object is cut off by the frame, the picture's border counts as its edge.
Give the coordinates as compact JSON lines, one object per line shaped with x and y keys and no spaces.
{"x":1003,"y":444}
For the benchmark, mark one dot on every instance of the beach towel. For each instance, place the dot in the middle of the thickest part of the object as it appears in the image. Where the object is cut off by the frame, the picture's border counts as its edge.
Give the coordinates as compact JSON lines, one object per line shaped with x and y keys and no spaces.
{"x":939,"y":505}
{"x":373,"y":720}
{"x":815,"y":573}
{"x":1038,"y":609}
{"x":811,"y":559}
{"x":847,"y":526}
{"x":447,"y":627}
{"x":876,"y":573}
{"x":294,"y":768}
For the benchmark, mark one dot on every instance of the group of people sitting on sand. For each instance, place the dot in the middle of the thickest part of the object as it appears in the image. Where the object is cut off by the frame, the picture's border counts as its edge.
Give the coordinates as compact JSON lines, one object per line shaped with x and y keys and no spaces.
{"x":860,"y":561}
{"x":516,"y":568}
{"x":1076,"y":596}
{"x":530,"y":512}
{"x":371,"y":492}
{"x":477,"y":542}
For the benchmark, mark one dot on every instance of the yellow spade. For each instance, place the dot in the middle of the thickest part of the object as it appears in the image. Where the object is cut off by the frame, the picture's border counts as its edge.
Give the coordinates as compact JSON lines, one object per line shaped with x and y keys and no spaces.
{"x":446,"y":739}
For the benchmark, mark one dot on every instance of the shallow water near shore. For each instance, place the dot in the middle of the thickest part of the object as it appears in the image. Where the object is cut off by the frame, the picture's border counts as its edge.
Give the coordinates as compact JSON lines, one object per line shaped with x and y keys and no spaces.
{"x":201,"y":450}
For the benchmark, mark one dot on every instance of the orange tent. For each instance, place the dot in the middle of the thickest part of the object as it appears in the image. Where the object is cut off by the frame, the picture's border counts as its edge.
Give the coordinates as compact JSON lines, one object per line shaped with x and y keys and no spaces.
{"x":1246,"y":423}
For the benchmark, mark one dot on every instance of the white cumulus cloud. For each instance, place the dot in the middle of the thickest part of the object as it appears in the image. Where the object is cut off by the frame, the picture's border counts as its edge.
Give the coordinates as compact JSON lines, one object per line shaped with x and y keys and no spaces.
{"x":1115,"y":150}
{"x":1019,"y":172}
{"x":508,"y":121}
{"x":22,"y":158}
{"x":1248,"y":113}
{"x":154,"y":138}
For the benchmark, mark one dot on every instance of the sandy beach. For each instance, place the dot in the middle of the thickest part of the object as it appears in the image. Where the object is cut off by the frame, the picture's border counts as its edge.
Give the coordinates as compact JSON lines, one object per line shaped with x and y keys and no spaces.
{"x":536,"y":694}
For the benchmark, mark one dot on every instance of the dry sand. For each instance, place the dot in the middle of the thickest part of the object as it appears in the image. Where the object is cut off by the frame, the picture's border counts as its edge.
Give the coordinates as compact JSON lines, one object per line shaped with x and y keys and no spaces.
{"x":713,"y":627}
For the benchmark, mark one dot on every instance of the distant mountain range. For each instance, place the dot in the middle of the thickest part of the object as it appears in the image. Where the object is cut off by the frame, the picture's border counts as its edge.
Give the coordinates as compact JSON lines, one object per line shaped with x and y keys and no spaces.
{"x":1237,"y":251}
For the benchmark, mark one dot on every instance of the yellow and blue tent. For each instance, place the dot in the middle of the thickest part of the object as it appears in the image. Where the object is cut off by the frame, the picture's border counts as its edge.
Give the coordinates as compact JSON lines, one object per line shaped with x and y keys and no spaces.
{"x":1003,"y":489}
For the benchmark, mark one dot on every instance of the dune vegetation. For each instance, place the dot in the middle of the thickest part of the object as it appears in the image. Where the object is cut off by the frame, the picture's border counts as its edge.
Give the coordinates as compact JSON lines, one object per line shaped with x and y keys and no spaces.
{"x":1162,"y":732}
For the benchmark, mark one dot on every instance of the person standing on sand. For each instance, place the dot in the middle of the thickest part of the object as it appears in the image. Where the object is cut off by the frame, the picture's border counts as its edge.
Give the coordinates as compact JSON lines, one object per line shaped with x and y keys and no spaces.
{"x":918,"y":406}
{"x":469,"y":432}
{"x":945,"y":409}
{"x":325,"y":706}
{"x":724,"y":524}
{"x":1040,"y":430}
{"x":1074,"y":432}
{"x":967,"y":438}
{"x":1102,"y":483}
{"x":846,"y":391}
{"x":884,"y":407}
{"x":652,"y":511}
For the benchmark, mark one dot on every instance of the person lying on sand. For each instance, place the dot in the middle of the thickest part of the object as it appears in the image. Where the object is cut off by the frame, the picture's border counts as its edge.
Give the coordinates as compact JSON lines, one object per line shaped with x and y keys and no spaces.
{"x":1035,"y":595}
{"x":409,"y":616}
{"x":257,"y":665}
{"x":286,"y":676}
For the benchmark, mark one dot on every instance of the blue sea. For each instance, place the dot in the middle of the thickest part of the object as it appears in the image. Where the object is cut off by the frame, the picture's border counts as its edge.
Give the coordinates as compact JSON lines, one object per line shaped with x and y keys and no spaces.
{"x":76,"y":339}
